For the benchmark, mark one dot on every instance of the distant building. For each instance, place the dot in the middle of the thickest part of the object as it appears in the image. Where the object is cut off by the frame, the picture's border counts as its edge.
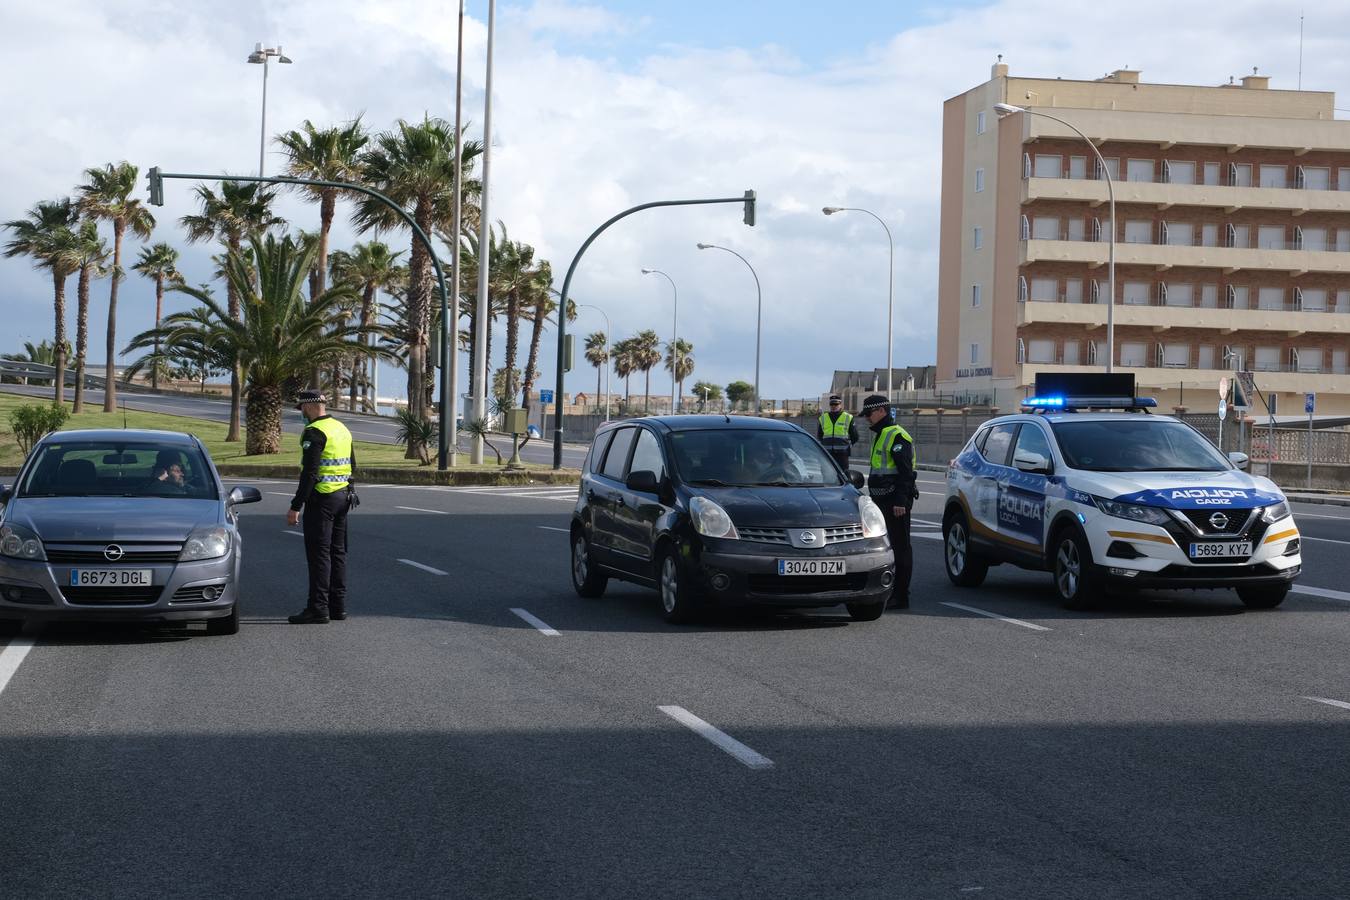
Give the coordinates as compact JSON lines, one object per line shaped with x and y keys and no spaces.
{"x":853,"y":386}
{"x":1232,"y":241}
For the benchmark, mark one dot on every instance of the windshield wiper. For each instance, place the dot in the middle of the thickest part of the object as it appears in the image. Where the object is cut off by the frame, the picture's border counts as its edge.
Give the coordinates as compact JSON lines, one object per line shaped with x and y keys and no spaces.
{"x":711,"y":482}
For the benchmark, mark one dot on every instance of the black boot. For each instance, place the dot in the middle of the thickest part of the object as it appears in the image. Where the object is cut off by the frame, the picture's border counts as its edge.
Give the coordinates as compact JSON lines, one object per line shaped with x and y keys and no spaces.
{"x":308,"y":616}
{"x":337,"y":615}
{"x":898,"y":601}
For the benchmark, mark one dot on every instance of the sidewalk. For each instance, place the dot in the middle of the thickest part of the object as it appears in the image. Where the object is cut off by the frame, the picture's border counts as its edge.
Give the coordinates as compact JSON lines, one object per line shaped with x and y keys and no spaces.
{"x":1314,"y":497}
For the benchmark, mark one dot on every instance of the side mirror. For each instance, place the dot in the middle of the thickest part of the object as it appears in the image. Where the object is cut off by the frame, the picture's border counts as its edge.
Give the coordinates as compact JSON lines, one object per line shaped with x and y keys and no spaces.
{"x":643,"y":481}
{"x":243,"y":495}
{"x":1034,"y":463}
{"x":1239,"y":460}
{"x":856,"y":479}
{"x":5,"y":493}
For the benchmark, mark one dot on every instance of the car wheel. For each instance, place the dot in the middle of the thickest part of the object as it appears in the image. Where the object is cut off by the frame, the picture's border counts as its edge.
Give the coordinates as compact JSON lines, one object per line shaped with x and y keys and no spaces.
{"x":1262,"y":598}
{"x":1077,"y":579}
{"x":865,"y":612}
{"x":677,"y":599}
{"x":965,"y":567}
{"x":586,"y":578}
{"x":226,"y":624}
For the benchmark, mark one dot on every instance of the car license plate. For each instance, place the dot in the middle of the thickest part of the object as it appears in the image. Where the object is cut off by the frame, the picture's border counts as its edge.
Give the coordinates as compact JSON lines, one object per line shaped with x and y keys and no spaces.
{"x":111,"y":577}
{"x":1238,"y":550}
{"x":811,"y":567}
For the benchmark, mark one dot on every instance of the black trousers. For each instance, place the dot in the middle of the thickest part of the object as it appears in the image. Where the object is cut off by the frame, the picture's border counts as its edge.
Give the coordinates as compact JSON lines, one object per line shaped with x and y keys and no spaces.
{"x":898,"y":529}
{"x":840,"y":456}
{"x":325,"y":527}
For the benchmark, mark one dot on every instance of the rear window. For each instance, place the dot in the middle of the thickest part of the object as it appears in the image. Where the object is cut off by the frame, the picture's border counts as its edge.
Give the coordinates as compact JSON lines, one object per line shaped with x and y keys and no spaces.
{"x":598,"y":448}
{"x":617,"y":457}
{"x":119,"y":469}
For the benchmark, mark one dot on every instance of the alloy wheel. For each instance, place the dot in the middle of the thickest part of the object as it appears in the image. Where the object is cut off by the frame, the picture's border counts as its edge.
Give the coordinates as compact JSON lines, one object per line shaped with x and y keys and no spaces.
{"x":956,"y":548}
{"x":1068,"y":569}
{"x":670,"y":584}
{"x":580,"y":569}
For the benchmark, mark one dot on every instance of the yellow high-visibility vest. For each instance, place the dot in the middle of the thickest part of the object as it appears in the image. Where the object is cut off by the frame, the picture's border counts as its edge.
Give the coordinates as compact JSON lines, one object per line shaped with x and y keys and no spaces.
{"x":335,"y":467}
{"x":836,"y":429}
{"x":881,"y":448}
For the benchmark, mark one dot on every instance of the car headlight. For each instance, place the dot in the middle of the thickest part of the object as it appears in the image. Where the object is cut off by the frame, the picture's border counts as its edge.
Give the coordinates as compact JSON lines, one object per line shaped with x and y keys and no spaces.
{"x":711,"y":520}
{"x":20,"y":543}
{"x":1275,"y":512}
{"x":873,"y":522}
{"x":1150,"y":515}
{"x":206,"y":543}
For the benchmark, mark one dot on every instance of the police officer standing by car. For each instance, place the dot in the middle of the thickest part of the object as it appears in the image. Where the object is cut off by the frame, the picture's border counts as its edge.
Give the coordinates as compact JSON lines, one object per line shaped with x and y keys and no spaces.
{"x":891,"y":483}
{"x":326,"y":495}
{"x":837,"y":432}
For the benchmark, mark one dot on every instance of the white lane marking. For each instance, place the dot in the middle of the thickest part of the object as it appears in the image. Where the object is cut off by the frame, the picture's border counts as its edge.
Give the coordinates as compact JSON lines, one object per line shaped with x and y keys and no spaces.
{"x":439,"y":512}
{"x":981,"y":612}
{"x":926,"y":522}
{"x":1308,"y":515}
{"x":936,"y":536}
{"x":12,"y":655}
{"x":552,"y":528}
{"x":1322,"y":540}
{"x":296,"y":533}
{"x":418,"y":565}
{"x":536,"y":622}
{"x":278,"y":494}
{"x":719,"y":738}
{"x":1320,"y":592}
{"x":1341,"y":703}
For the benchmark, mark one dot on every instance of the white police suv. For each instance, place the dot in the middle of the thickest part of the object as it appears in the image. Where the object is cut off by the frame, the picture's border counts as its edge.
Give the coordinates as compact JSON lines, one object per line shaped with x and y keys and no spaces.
{"x":1102,"y":493}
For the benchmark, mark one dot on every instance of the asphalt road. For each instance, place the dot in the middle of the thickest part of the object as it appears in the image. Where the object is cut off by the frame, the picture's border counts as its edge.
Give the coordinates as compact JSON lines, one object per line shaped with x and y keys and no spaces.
{"x":379,"y":430}
{"x":439,"y":744}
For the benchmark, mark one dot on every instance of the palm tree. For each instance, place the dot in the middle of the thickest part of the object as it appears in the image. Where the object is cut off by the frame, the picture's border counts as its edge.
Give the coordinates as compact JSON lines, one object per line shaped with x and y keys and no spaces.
{"x":413,"y":164}
{"x":280,"y":336}
{"x":597,"y":354}
{"x":468,"y":263}
{"x":370,"y":268}
{"x":328,"y":154}
{"x":106,"y":195}
{"x":89,"y":255}
{"x":238,"y":211}
{"x":647,"y":356}
{"x":47,"y":234}
{"x":625,"y":364}
{"x":679,"y":362}
{"x":159,"y":262}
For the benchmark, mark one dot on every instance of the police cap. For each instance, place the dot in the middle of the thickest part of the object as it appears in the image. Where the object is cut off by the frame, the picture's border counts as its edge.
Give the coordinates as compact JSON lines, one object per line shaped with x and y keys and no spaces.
{"x":309,"y":396}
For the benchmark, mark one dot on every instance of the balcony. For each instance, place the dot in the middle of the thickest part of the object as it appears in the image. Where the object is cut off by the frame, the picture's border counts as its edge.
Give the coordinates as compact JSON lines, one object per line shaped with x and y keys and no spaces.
{"x":1150,"y":378}
{"x":1163,"y":318}
{"x":1162,"y":257}
{"x":1167,"y":195}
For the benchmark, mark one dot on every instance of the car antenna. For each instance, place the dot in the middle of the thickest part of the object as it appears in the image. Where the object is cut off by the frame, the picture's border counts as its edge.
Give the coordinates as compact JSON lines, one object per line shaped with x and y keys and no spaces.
{"x":727,"y":417}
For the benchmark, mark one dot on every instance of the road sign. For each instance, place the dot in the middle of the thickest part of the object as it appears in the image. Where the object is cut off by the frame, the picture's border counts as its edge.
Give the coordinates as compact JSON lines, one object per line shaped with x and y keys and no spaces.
{"x":545,"y":396}
{"x":1223,"y":387}
{"x":1223,"y":407}
{"x":1309,"y":402}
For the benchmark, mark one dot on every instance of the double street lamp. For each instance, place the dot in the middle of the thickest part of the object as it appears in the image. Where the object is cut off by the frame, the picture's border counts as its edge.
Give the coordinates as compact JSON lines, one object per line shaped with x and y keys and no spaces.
{"x":759,"y":310}
{"x":890,"y":290}
{"x":260,"y":56}
{"x":1007,"y":109}
{"x":674,"y":339}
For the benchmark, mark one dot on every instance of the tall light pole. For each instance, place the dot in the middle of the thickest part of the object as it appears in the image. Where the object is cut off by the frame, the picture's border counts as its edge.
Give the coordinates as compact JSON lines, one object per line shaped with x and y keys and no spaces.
{"x":759,"y":310}
{"x":1007,"y":109}
{"x":674,"y":339}
{"x":480,"y":360}
{"x":450,"y":315}
{"x":609,"y":336}
{"x":260,"y":56}
{"x":890,"y":289}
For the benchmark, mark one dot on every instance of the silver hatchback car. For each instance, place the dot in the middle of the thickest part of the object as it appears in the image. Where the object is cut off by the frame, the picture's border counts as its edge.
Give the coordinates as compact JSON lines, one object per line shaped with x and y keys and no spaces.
{"x":131,"y":526}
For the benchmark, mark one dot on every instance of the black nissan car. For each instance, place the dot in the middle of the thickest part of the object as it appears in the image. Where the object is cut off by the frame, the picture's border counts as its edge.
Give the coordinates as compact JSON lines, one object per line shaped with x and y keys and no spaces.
{"x":727,"y":510}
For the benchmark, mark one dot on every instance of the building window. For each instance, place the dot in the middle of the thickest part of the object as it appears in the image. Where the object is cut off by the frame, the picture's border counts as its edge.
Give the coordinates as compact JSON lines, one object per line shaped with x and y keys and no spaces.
{"x":1209,"y":296}
{"x":1180,"y":294}
{"x":1139,"y":170}
{"x":1267,"y":359}
{"x":1314,"y":300}
{"x":975,"y":295}
{"x":1181,"y":172}
{"x":1041,"y":351}
{"x":1045,"y":289}
{"x":979,"y":122}
{"x":1211,"y":173}
{"x":1134,"y":353}
{"x":1343,"y":239}
{"x":1073,"y":290}
{"x":1209,"y":235}
{"x":1343,"y":302}
{"x":979,"y":237}
{"x":1240,"y":174}
{"x":1339,"y":363}
{"x":1310,"y":359}
{"x":974,"y":354}
{"x":1180,"y":234}
{"x":1078,"y":167}
{"x":1070,"y":353}
{"x":1138,"y":231}
{"x":1048,"y":165}
{"x":1136,"y":293}
{"x":1270,"y":237}
{"x":1239,"y":297}
{"x":1274,"y":176}
{"x":979,"y":180}
{"x":1270,"y":298}
{"x":1343,"y":179}
{"x":1076,"y":230}
{"x":1177,"y":356}
{"x":1317,"y":178}
{"x":1045,"y":228}
{"x":1206,"y":357}
{"x":1240,"y":236}
{"x":1313,"y":239}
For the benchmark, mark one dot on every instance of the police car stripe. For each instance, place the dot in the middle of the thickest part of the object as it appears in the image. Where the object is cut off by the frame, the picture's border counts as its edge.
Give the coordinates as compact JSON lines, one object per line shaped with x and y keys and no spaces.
{"x":1279,"y":536}
{"x":1139,"y":536}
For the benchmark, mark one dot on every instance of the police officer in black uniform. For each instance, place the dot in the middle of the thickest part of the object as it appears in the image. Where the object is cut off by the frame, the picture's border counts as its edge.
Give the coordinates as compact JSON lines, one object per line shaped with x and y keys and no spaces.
{"x":891,"y":483}
{"x":326,"y":495}
{"x":837,"y":432}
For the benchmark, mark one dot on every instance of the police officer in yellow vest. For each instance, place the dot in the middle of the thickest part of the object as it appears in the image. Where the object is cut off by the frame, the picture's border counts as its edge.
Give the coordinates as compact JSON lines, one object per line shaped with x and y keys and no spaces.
{"x":326,"y":495}
{"x":891,"y":484}
{"x":837,"y":432}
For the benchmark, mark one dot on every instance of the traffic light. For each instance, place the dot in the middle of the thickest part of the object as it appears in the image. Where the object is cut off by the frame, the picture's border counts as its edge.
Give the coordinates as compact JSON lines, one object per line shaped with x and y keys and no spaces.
{"x":156,"y":187}
{"x":750,"y":207}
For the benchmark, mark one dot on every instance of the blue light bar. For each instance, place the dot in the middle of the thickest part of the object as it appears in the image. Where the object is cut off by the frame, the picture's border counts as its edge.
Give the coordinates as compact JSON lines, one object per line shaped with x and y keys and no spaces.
{"x":1068,"y":403}
{"x":1043,"y":402}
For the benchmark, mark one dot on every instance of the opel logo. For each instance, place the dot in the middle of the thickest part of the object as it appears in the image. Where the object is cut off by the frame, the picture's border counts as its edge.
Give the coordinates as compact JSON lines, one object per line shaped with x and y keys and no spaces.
{"x":1219,"y":521}
{"x":113,"y":553}
{"x":808,"y":537}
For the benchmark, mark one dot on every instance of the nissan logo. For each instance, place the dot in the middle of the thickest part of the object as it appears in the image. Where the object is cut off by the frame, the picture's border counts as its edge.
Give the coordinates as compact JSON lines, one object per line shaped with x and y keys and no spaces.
{"x":808,"y":537}
{"x":1219,"y":521}
{"x":113,"y":553}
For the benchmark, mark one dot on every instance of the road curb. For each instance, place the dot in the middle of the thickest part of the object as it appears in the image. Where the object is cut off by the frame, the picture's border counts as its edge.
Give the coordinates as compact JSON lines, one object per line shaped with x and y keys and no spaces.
{"x":1320,"y":499}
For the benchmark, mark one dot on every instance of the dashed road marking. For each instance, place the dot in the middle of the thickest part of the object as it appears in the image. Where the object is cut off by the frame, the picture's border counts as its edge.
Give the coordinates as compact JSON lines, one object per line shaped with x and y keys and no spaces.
{"x":536,"y":622}
{"x":1322,"y":540}
{"x":555,"y":528}
{"x":1340,"y":703}
{"x":719,"y":738}
{"x":931,"y":535}
{"x":926,"y":522}
{"x":1320,"y":592}
{"x":418,"y":565}
{"x":296,"y":533}
{"x":991,"y":615}
{"x":438,"y":512}
{"x":12,"y":656}
{"x":278,"y":494}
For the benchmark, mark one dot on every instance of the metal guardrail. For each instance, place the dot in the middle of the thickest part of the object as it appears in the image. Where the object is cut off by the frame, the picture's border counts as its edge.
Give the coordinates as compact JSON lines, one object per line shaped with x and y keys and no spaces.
{"x":18,"y":369}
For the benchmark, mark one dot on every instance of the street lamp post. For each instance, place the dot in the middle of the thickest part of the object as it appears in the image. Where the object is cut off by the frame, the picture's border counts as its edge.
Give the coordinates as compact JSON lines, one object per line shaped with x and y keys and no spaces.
{"x":1007,"y":109}
{"x":674,"y":339}
{"x":609,"y":335}
{"x":890,"y":290}
{"x":260,"y":56}
{"x":480,"y":360}
{"x":759,"y":310}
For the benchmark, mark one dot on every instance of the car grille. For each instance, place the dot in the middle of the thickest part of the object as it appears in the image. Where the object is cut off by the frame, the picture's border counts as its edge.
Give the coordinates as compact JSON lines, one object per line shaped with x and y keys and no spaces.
{"x":1237,"y":520}
{"x":805,"y":584}
{"x":764,"y":535}
{"x":24,"y":593}
{"x":843,"y":533}
{"x":99,"y":596}
{"x":92,"y":554}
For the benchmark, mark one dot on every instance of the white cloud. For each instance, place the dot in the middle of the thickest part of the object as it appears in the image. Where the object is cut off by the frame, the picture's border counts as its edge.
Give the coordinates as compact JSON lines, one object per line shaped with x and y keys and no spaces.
{"x":579,"y":137}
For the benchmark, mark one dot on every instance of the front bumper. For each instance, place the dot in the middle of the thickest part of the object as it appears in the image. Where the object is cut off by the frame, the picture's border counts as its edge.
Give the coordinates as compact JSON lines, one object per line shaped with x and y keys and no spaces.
{"x":745,"y":573}
{"x":36,"y":591}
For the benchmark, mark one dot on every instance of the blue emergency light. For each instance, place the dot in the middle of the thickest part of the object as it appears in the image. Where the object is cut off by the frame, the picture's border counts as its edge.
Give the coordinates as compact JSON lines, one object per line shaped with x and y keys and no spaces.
{"x":1071,"y":391}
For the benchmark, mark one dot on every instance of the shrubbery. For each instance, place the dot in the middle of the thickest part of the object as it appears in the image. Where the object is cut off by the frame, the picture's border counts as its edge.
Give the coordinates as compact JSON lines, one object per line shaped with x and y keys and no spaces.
{"x":32,"y":423}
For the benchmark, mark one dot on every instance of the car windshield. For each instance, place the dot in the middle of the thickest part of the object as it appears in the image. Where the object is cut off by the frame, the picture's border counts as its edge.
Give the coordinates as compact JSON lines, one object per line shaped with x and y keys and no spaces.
{"x":1137,"y":445}
{"x":752,"y":457}
{"x":119,"y":469}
